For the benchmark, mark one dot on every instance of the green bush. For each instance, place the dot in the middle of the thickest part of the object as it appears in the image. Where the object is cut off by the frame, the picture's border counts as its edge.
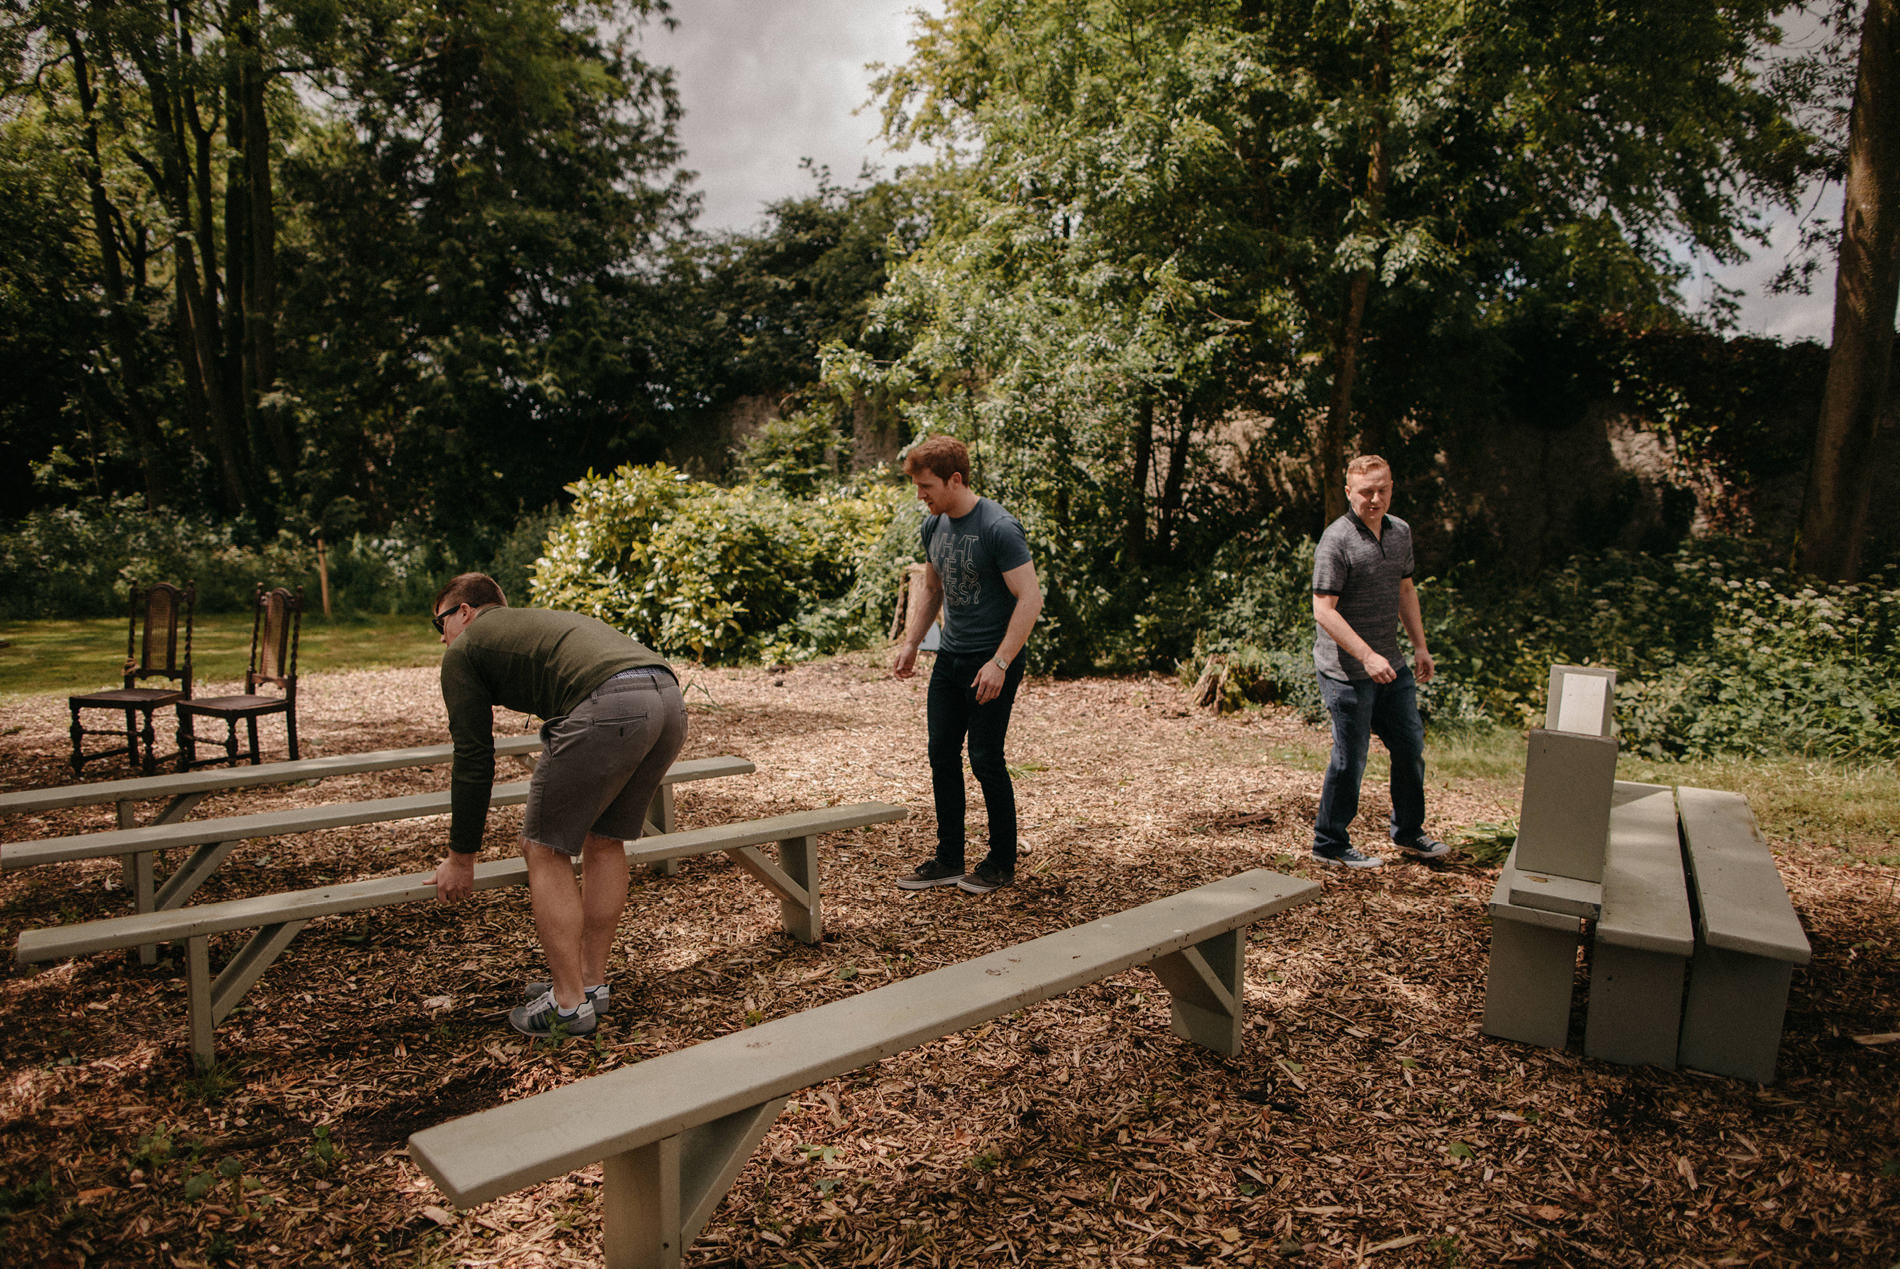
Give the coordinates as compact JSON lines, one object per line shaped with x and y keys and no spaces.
{"x":79,"y":560}
{"x":721,"y":574}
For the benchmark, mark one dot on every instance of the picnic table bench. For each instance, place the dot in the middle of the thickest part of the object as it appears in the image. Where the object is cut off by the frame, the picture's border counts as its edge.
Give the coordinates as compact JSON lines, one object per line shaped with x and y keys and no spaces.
{"x":674,"y":1131}
{"x":213,"y":840}
{"x":278,"y":918}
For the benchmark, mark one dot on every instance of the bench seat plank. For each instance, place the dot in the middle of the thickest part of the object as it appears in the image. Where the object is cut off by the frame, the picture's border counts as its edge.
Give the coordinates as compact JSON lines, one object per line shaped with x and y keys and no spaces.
{"x":498,"y":1151}
{"x":1742,"y":902}
{"x":1749,"y":940}
{"x":62,"y":941}
{"x":126,"y":841}
{"x":1644,"y":936}
{"x":201,"y":783}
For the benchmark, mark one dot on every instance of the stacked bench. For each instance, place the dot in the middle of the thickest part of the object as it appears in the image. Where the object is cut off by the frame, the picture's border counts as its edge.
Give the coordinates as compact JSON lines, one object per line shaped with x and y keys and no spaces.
{"x":1694,"y":939}
{"x":673,"y":1132}
{"x":277,"y":919}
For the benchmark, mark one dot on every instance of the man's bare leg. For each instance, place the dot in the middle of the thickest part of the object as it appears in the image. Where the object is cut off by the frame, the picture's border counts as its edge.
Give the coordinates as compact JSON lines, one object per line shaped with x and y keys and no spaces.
{"x":558,"y":917}
{"x":605,"y":874}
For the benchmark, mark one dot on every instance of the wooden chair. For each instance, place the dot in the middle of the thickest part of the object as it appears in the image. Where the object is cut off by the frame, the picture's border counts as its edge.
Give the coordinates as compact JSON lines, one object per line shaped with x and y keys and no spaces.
{"x":150,"y":652}
{"x":276,"y":620}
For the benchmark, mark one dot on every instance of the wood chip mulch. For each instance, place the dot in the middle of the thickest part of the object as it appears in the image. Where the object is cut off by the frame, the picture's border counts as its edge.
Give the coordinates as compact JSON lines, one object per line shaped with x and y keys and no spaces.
{"x":1367,"y":1120}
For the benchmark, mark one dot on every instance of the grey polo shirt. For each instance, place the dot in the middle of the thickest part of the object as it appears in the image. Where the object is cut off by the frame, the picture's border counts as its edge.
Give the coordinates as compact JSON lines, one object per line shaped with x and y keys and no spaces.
{"x":1364,"y":572}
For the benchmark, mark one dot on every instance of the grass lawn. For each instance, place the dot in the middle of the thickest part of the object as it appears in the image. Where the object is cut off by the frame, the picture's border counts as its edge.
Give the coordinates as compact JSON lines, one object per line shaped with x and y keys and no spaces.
{"x":62,"y":657}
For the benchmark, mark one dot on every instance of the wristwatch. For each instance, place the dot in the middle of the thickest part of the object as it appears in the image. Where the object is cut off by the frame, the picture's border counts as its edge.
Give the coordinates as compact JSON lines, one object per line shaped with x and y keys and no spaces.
{"x":1002,"y":665}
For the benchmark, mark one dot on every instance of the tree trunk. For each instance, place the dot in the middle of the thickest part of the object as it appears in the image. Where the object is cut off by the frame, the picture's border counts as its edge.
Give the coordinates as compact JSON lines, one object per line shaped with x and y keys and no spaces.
{"x":1358,"y":289}
{"x":1135,"y":530}
{"x":1866,"y":289}
{"x":1176,"y":480}
{"x":119,"y":326}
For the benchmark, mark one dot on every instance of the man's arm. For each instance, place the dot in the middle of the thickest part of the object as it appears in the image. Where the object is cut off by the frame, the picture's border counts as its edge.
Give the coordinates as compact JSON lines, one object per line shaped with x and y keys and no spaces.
{"x":471,"y":775}
{"x":1021,"y":581}
{"x":1413,"y":620}
{"x":1333,"y":622}
{"x":925,"y":599}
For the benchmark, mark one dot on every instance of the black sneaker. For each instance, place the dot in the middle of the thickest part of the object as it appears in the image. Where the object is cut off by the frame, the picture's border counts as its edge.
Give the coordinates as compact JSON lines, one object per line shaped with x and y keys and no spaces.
{"x":601,"y":997}
{"x":542,"y":1017}
{"x":932,"y":872}
{"x":985,"y":878}
{"x":1423,"y":846}
{"x":1351,"y":857}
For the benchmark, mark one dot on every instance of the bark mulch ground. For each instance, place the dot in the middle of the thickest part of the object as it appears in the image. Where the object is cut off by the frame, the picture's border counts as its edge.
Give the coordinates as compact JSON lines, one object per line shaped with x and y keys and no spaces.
{"x":1367,"y":1119}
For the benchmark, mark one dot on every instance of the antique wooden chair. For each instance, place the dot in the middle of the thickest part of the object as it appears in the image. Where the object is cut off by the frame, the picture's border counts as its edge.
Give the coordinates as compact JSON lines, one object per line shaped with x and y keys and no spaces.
{"x":276,"y":619}
{"x":151,"y":652}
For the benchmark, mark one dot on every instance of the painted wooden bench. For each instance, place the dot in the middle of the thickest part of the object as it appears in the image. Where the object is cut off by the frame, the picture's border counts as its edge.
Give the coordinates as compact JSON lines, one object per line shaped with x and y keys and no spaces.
{"x":278,"y":918}
{"x":674,"y":1131}
{"x":1643,"y":937}
{"x":1748,"y":940}
{"x":184,"y":790}
{"x":211,"y":841}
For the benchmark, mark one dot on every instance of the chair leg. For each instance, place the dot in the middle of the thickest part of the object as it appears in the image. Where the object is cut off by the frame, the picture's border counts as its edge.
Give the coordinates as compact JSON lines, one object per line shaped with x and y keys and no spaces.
{"x":290,"y":726}
{"x":132,"y":739}
{"x":250,"y":725}
{"x":187,"y":742}
{"x":150,"y":763}
{"x":77,"y":732}
{"x":230,"y":741}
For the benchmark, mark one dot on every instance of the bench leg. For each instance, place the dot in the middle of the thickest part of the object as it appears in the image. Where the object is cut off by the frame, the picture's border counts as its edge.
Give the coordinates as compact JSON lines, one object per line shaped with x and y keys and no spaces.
{"x":211,"y":1001}
{"x":1206,"y":982}
{"x":1527,"y":988}
{"x":794,"y":879}
{"x":660,"y":820}
{"x":1731,"y":1023}
{"x":194,"y":872}
{"x":1635,"y":1013}
{"x":657,"y":1197}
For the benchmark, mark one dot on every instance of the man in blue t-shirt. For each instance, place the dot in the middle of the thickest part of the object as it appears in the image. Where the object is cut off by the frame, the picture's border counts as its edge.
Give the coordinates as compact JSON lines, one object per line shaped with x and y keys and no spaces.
{"x":979,"y":568}
{"x":1362,"y":594}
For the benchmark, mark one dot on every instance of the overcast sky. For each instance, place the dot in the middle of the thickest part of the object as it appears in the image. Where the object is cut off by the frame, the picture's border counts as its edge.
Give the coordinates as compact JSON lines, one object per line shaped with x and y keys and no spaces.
{"x":766,"y":83}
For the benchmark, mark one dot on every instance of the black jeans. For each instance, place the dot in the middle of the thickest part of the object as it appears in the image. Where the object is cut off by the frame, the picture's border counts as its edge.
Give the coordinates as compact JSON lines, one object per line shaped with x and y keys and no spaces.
{"x":951,"y":714}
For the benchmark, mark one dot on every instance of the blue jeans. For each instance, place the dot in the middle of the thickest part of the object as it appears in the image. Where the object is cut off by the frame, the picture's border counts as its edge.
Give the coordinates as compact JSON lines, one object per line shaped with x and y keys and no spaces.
{"x":952,"y":714}
{"x":1362,"y":709}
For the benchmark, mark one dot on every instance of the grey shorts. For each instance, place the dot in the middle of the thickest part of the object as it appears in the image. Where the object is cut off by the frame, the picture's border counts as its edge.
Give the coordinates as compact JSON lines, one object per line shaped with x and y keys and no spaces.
{"x":601,"y":765}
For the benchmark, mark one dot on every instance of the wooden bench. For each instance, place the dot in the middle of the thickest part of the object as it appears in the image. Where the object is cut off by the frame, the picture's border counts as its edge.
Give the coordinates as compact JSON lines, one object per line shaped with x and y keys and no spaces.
{"x":186,"y":789}
{"x":1748,"y":940}
{"x":278,"y":918}
{"x":674,"y":1131}
{"x":1643,"y":935}
{"x":212,"y":840}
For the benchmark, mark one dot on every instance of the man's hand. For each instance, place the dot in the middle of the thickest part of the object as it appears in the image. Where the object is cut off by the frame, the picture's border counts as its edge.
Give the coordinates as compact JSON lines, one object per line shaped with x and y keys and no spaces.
{"x":1422,"y":666}
{"x":455,"y":877}
{"x":1378,"y":667}
{"x":904,"y":663}
{"x":989,"y":683}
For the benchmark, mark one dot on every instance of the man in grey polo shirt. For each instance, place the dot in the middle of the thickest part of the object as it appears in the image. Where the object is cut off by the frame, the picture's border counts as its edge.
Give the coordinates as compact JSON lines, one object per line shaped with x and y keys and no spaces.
{"x":614,"y":722}
{"x":1362,"y":593}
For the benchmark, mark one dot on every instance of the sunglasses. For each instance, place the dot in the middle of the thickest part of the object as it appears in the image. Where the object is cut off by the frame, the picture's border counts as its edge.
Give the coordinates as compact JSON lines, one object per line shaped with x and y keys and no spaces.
{"x":441,"y":617}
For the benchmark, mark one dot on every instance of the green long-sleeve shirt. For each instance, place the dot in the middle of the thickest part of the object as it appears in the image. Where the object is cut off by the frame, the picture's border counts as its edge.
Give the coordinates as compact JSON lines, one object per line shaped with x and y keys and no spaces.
{"x":531,"y":660}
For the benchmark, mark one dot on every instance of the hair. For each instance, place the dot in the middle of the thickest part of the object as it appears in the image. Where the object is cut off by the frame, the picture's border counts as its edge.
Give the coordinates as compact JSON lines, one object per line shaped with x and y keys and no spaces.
{"x":477,"y":590}
{"x":941,"y":456}
{"x":1365,"y":463}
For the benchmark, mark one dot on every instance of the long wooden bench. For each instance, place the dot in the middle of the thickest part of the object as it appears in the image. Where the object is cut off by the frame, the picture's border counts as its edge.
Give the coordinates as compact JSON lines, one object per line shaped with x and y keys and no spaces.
{"x":211,"y":841}
{"x":278,"y":918}
{"x":674,"y":1131}
{"x":1643,"y":937}
{"x":1748,"y":939}
{"x":184,"y":790}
